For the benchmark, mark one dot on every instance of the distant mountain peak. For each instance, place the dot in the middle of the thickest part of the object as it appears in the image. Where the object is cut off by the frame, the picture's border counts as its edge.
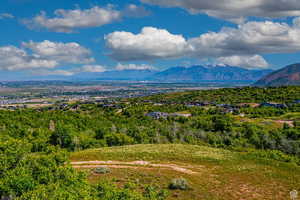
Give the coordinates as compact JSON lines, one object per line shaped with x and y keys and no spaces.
{"x":289,"y":75}
{"x":195,"y":73}
{"x":199,"y":73}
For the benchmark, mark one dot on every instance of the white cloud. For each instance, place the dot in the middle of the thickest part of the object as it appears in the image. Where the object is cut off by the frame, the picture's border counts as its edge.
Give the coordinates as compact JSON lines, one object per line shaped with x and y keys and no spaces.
{"x":44,"y":55}
{"x":296,"y":22}
{"x":247,"y":40}
{"x":69,"y":20}
{"x":70,"y":72}
{"x":91,"y":68}
{"x":235,"y":10}
{"x":134,"y":67}
{"x":135,"y":11}
{"x":151,"y":43}
{"x":13,"y":58}
{"x":255,"y":61}
{"x":42,"y":72}
{"x":6,"y":16}
{"x":61,"y":52}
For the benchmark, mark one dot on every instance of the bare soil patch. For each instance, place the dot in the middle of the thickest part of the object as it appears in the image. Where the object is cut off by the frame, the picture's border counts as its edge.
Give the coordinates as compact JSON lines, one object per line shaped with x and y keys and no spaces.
{"x":132,"y":165}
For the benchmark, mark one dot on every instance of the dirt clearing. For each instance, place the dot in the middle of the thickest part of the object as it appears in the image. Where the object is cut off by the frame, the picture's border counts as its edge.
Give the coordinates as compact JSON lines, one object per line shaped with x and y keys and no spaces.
{"x":132,"y":165}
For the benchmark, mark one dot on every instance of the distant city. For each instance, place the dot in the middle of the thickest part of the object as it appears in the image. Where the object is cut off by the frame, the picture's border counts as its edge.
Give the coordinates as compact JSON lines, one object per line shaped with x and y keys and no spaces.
{"x":34,"y":94}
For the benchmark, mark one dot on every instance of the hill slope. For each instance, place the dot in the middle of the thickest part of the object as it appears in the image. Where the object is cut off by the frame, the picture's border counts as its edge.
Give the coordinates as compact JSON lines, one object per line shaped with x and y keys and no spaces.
{"x":289,"y":75}
{"x":211,"y":173}
{"x":217,"y":73}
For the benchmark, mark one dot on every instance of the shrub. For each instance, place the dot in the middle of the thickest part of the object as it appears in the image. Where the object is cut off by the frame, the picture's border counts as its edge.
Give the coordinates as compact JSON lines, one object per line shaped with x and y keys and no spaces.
{"x":179,"y":184}
{"x":102,"y":170}
{"x":154,"y":193}
{"x":275,"y":155}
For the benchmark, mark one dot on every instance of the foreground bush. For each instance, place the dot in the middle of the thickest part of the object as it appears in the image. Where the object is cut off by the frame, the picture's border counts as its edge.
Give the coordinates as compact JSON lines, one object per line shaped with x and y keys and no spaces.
{"x":101,"y":170}
{"x":46,"y":175}
{"x":179,"y":184}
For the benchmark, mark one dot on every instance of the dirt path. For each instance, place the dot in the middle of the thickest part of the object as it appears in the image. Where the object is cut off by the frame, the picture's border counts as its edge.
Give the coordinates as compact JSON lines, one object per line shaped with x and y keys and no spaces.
{"x":131,"y":165}
{"x":288,"y":122}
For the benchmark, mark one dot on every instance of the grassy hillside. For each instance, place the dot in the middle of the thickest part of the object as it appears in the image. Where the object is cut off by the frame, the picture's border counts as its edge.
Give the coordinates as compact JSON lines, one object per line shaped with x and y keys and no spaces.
{"x":216,"y":173}
{"x":34,"y":142}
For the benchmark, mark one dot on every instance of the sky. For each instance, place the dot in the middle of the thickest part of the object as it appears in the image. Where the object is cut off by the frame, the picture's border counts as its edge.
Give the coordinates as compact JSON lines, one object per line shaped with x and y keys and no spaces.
{"x":40,"y":38}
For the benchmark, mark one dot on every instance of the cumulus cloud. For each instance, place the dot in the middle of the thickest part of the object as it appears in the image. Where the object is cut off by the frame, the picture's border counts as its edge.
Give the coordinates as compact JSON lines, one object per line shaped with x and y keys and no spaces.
{"x":6,"y":16}
{"x":246,"y":41}
{"x":151,"y":43}
{"x":296,"y":22}
{"x":255,"y":61}
{"x":70,"y":72}
{"x":61,"y":52}
{"x":133,"y":10}
{"x":67,"y":21}
{"x":43,"y":72}
{"x":91,"y":68}
{"x":43,"y":55}
{"x":235,"y":10}
{"x":13,"y":58}
{"x":121,"y":67}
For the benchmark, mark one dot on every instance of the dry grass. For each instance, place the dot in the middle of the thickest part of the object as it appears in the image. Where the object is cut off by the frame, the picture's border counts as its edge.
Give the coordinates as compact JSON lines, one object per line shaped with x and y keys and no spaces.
{"x":220,"y":174}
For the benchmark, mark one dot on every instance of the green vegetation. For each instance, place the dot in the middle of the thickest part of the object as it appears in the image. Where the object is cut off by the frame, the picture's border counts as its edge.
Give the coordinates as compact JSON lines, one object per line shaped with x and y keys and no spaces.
{"x":25,"y":175}
{"x":217,"y":173}
{"x":93,"y":126}
{"x":234,"y":95}
{"x":35,"y":143}
{"x":179,"y":184}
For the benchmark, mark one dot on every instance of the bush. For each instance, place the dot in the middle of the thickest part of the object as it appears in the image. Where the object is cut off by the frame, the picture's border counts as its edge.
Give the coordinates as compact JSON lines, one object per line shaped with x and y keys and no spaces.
{"x":275,"y":155}
{"x":179,"y":184}
{"x":102,"y":170}
{"x":154,"y":193}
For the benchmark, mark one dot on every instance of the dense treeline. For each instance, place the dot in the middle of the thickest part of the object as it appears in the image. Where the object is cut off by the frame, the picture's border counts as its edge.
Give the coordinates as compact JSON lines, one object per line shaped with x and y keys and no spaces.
{"x":285,"y":94}
{"x":93,"y":126}
{"x":34,"y":143}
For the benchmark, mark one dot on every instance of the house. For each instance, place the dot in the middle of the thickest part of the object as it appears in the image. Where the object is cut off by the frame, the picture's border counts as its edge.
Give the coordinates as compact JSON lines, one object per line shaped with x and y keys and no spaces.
{"x":157,"y":115}
{"x":63,"y":106}
{"x":226,"y":106}
{"x":297,"y":101}
{"x":75,"y":107}
{"x":248,"y":105}
{"x":181,"y":114}
{"x":273,"y":105}
{"x":200,"y":104}
{"x":110,"y":106}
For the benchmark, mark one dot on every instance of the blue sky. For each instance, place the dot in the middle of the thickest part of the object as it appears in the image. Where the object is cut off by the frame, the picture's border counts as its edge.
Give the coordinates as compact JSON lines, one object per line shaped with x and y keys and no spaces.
{"x":54,"y":37}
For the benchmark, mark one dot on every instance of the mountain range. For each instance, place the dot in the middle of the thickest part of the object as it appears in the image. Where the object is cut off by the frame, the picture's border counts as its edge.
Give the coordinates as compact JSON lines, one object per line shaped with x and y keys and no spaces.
{"x":181,"y":74}
{"x":210,"y":73}
{"x":289,"y":75}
